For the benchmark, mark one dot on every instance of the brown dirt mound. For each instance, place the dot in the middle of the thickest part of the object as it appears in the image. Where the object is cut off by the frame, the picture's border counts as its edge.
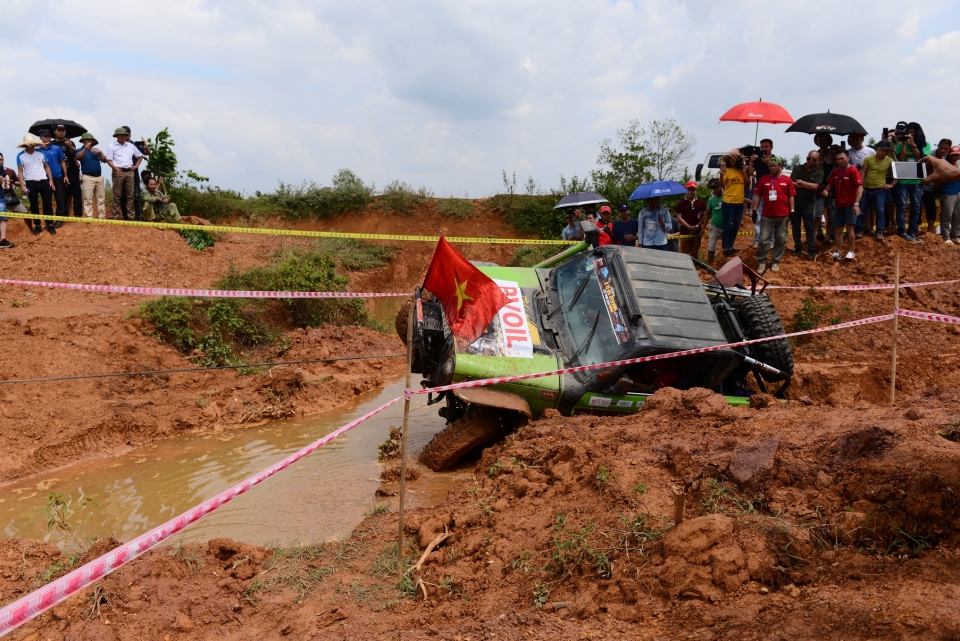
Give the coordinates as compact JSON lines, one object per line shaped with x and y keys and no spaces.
{"x":803,"y":524}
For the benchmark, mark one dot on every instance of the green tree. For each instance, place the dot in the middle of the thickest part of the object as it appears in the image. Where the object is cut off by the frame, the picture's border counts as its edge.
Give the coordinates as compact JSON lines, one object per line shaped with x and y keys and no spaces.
{"x":669,"y":148}
{"x":163,"y":160}
{"x":794,"y":162}
{"x":626,"y":166}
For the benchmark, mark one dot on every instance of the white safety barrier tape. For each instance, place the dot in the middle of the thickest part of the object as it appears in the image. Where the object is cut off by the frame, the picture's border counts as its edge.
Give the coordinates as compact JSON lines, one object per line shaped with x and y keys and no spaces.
{"x":204,"y":293}
{"x":940,"y":318}
{"x":37,"y":602}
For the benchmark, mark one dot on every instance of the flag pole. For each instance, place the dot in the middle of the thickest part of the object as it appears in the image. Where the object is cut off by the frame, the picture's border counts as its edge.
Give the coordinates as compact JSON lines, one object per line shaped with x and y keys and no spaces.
{"x":403,"y":447}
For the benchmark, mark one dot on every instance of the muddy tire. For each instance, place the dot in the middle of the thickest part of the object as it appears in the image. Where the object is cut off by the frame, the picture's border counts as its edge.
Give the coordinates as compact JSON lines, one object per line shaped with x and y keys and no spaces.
{"x":479,"y":427}
{"x":401,"y":319}
{"x":760,"y":320}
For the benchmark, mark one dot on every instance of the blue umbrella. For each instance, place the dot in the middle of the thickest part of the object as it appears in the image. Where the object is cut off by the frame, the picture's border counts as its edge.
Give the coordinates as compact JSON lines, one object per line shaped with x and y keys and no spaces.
{"x":658,"y":188}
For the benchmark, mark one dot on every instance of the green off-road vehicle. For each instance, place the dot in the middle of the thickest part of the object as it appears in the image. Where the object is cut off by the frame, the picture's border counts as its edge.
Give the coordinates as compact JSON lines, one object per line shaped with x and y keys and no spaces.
{"x":588,"y":306}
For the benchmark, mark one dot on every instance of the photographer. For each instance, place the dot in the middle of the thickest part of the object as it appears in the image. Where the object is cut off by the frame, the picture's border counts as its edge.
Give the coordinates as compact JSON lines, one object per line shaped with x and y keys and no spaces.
{"x":912,"y":146}
{"x":733,"y":180}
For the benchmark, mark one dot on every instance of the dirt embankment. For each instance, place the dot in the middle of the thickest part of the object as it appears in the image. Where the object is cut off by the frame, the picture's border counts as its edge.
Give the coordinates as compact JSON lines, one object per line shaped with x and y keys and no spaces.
{"x":799,"y":522}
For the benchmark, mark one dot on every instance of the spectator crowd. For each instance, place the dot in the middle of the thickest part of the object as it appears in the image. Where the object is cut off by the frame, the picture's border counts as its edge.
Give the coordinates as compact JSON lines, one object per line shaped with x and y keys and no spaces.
{"x":56,"y":177}
{"x":835,"y":196}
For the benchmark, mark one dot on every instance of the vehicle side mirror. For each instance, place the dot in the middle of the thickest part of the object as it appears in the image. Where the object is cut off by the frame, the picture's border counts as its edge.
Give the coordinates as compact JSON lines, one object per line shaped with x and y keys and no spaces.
{"x":590,"y":231}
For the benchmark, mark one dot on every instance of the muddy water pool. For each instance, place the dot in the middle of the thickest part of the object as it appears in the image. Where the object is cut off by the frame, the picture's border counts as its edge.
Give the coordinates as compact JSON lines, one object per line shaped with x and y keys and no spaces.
{"x":324,"y":495}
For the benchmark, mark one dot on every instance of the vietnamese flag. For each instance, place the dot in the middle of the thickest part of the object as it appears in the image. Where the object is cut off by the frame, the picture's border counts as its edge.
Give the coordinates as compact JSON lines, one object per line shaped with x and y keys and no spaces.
{"x":470,"y":299}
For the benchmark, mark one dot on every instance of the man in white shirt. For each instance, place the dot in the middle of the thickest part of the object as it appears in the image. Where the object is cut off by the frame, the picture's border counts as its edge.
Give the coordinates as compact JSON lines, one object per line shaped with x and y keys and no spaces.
{"x":36,"y":181}
{"x":857,"y":151}
{"x":123,"y":158}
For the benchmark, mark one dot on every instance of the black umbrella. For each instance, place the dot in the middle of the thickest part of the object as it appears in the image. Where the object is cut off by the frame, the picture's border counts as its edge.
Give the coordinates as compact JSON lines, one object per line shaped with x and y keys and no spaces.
{"x":579,"y":198}
{"x":73,"y":129}
{"x":827,"y":123}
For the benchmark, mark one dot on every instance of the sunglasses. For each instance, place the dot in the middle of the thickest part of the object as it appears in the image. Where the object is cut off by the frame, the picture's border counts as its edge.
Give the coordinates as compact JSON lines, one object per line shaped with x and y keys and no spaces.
{"x":812,"y":158}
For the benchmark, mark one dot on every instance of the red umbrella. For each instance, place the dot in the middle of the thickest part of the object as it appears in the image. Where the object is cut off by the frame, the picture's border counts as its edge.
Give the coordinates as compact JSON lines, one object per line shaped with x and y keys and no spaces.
{"x":758,"y":112}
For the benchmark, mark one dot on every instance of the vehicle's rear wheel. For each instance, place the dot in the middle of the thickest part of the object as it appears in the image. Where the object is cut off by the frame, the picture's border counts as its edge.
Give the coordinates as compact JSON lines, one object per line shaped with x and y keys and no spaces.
{"x":760,"y":320}
{"x":478,"y":427}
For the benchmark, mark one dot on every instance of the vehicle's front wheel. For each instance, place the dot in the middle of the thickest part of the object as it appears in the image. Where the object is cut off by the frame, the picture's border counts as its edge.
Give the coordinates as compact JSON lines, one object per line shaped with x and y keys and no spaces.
{"x":478,"y":427}
{"x":760,"y":320}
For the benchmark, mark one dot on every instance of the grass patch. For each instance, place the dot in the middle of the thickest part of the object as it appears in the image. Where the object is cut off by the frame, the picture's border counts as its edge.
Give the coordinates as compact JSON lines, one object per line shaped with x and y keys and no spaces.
{"x":219,"y":331}
{"x":356,"y":255}
{"x":810,"y":315}
{"x":299,"y":567}
{"x":400,"y":198}
{"x":530,"y":255}
{"x":456,"y":208}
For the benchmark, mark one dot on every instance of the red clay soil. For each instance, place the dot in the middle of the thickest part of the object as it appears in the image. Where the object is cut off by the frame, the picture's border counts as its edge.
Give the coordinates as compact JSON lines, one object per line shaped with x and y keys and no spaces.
{"x":799,"y":522}
{"x":830,"y":516}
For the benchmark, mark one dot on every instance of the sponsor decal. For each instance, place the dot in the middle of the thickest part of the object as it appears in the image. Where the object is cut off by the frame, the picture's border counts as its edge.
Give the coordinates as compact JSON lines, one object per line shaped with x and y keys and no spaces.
{"x":617,"y":318}
{"x":545,"y":393}
{"x":624,"y":403}
{"x":509,"y":332}
{"x":599,"y":401}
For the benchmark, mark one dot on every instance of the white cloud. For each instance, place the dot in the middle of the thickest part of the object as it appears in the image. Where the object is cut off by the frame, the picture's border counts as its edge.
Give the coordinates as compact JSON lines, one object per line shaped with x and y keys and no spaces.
{"x":449,"y":94}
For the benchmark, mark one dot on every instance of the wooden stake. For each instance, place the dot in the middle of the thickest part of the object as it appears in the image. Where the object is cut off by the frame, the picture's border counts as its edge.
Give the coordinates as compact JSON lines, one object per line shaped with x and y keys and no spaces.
{"x":678,"y":504}
{"x":403,"y":446}
{"x":896,"y":307}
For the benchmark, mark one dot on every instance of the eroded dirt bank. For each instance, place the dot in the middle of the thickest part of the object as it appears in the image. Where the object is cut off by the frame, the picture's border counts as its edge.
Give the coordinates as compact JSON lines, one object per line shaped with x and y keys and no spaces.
{"x":800,"y":522}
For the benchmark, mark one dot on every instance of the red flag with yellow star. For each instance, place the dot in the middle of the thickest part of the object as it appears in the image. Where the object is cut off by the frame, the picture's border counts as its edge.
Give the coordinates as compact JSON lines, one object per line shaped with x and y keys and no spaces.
{"x":470,"y":299}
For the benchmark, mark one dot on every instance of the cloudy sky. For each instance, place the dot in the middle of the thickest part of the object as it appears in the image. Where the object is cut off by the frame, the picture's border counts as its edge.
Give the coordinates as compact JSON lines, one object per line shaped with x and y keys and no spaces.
{"x":449,"y":94}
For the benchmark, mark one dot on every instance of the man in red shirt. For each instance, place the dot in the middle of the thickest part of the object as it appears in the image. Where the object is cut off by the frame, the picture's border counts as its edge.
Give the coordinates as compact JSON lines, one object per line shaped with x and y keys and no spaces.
{"x":845,"y":182}
{"x":777,"y":192}
{"x":691,"y":216}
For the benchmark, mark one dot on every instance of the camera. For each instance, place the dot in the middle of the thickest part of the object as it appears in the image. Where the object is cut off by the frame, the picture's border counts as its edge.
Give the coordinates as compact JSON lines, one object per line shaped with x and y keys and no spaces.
{"x":735,"y":162}
{"x":900,"y":132}
{"x":750,"y":150}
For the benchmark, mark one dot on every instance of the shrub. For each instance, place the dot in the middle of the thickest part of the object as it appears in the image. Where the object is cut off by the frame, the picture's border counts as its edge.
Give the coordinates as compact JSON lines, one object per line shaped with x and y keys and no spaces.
{"x":299,"y":270}
{"x":310,"y":200}
{"x":400,"y":198}
{"x":531,"y":214}
{"x":222,"y":328}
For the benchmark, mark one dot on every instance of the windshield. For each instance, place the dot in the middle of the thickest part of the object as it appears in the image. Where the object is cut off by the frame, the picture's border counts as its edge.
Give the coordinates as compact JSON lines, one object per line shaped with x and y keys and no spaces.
{"x":591,"y":311}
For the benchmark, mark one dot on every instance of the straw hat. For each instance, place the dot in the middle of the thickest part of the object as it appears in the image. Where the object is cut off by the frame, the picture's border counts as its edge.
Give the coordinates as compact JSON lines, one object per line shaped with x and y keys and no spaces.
{"x":30,"y":141}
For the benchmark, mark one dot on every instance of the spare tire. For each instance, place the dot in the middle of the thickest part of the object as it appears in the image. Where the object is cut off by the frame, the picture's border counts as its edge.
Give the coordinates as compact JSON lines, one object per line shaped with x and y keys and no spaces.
{"x":760,"y":320}
{"x":478,"y":427}
{"x":402,"y":319}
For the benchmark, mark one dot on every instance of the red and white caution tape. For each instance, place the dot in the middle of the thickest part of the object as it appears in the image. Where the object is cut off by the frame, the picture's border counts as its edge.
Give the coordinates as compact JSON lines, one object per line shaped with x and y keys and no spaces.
{"x":643,"y":359}
{"x":940,"y":318}
{"x":203,"y":293}
{"x":852,"y":288}
{"x":39,"y":601}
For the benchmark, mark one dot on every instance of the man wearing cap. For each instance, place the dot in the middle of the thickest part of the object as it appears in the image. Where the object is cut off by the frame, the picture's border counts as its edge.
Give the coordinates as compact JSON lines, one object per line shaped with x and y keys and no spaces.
{"x":691,"y":216}
{"x":123,"y":159}
{"x":90,"y":158}
{"x":776,"y":193}
{"x":876,"y":189}
{"x":950,"y":203}
{"x":72,"y":180}
{"x":138,"y":183}
{"x":57,"y":161}
{"x":625,"y":229}
{"x":36,"y":181}
{"x":807,"y":179}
